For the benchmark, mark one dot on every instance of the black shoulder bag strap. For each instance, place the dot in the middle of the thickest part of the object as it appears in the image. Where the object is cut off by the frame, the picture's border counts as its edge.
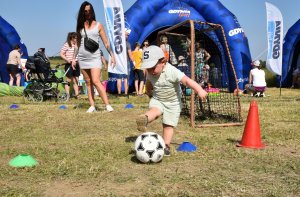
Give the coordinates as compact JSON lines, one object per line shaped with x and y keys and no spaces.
{"x":85,"y":32}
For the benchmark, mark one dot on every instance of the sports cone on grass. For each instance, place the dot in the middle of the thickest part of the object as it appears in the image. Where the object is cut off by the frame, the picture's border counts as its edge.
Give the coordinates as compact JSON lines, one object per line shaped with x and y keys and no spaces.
{"x":187,"y":147}
{"x":251,"y":137}
{"x":22,"y":161}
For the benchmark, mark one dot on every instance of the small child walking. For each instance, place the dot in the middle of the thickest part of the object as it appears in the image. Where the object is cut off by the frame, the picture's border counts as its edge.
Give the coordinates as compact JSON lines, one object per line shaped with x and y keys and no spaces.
{"x":163,"y":87}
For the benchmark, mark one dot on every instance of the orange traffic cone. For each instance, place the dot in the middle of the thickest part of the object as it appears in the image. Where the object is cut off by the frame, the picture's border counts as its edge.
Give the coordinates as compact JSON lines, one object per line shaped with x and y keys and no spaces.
{"x":251,"y":137}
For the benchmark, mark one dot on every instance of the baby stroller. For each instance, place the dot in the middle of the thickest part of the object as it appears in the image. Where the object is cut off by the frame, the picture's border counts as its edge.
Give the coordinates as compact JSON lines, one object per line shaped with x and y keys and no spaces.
{"x":42,"y":81}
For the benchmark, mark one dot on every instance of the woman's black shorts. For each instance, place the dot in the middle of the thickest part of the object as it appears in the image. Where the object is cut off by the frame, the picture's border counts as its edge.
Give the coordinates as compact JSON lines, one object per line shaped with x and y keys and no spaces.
{"x":139,"y":75}
{"x":12,"y":69}
{"x":71,"y":72}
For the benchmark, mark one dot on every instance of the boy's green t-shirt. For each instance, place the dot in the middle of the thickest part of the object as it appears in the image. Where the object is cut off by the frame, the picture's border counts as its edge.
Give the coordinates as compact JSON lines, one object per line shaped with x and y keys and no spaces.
{"x":166,"y":86}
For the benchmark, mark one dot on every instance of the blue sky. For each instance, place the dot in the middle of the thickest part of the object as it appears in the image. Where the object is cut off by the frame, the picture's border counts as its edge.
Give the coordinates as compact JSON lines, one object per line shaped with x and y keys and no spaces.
{"x":45,"y":23}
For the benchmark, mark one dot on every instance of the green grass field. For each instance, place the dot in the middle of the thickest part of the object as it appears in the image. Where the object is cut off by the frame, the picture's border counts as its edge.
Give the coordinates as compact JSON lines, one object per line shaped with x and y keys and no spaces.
{"x":82,"y":154}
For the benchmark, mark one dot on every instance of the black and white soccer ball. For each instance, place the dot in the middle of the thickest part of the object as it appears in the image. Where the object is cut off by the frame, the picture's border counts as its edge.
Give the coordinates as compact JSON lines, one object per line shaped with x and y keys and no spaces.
{"x":149,"y":147}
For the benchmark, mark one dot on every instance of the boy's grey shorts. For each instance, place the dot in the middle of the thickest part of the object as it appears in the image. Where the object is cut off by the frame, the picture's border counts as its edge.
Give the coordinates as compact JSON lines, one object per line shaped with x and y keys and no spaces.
{"x":170,"y":111}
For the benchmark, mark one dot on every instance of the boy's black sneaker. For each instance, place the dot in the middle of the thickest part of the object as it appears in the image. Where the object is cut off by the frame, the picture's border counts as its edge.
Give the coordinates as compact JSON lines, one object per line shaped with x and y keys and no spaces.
{"x":167,"y":151}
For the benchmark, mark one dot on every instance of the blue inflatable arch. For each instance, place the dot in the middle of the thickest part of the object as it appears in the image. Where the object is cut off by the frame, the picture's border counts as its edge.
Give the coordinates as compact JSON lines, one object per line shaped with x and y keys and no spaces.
{"x":8,"y":39}
{"x":146,"y":18}
{"x":291,"y":53}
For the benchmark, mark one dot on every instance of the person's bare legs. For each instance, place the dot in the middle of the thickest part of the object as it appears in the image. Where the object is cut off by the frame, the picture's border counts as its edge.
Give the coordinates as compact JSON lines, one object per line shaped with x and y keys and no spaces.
{"x":136,"y":86}
{"x":146,"y":118}
{"x":141,"y":87}
{"x":168,"y":132}
{"x":151,"y":115}
{"x":119,"y":85}
{"x":67,"y":86}
{"x":95,"y":74}
{"x":18,"y":82}
{"x":87,"y":77}
{"x":126,"y":85}
{"x":75,"y":85}
{"x":11,"y":80}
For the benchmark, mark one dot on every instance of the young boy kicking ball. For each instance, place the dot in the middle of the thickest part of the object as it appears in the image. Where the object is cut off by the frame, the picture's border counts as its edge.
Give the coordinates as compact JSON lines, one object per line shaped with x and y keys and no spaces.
{"x":163,"y":87}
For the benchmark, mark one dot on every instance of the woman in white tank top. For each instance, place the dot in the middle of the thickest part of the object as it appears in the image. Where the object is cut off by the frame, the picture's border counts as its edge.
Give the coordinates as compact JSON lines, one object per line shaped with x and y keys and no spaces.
{"x":257,"y":80}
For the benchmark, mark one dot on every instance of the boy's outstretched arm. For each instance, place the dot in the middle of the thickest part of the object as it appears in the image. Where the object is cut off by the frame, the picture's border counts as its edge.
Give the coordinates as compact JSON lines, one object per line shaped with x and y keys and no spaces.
{"x":195,"y":86}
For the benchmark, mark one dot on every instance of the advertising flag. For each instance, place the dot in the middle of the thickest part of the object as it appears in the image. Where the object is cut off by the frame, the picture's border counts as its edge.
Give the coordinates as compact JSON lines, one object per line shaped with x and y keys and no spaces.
{"x":114,"y":16}
{"x":275,"y":39}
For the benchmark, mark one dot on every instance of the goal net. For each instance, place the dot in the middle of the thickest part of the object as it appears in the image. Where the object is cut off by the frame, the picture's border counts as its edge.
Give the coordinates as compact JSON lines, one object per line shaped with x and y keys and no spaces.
{"x":200,"y":50}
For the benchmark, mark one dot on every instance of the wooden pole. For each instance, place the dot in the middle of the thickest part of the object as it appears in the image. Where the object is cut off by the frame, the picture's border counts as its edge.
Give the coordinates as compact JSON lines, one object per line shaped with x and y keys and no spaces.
{"x":219,"y":125}
{"x":192,"y":112}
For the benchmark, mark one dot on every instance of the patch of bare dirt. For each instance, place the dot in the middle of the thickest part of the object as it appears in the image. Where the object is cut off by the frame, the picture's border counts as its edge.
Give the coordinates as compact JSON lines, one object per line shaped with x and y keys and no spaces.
{"x":64,"y":188}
